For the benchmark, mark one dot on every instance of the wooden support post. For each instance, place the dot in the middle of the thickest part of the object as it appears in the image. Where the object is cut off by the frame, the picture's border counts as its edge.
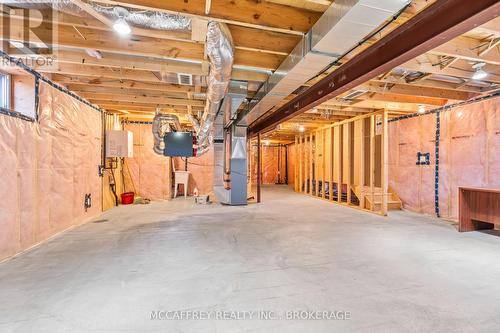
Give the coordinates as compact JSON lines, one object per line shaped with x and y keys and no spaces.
{"x":309,"y":167}
{"x":301,"y":163}
{"x":384,"y":182}
{"x":330,"y":160}
{"x":323,"y":162}
{"x":372,"y":162}
{"x":259,"y":167}
{"x":311,"y":163}
{"x":295,"y":169}
{"x":316,"y":164}
{"x":362,"y":166}
{"x":338,"y":144}
{"x":286,"y":164}
{"x":249,"y":163}
{"x":349,"y":164}
{"x":305,"y":164}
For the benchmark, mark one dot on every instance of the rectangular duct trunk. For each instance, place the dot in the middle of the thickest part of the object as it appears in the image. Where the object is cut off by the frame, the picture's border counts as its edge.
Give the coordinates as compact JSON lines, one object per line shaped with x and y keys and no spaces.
{"x":344,"y":24}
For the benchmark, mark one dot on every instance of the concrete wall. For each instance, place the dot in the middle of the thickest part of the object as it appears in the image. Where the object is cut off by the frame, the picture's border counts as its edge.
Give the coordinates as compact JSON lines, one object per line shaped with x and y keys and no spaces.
{"x":469,"y":156}
{"x":46,"y":168}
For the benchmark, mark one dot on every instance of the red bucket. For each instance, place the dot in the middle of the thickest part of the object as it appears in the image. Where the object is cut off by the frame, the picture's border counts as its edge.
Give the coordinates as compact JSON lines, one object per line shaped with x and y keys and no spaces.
{"x":127,"y":198}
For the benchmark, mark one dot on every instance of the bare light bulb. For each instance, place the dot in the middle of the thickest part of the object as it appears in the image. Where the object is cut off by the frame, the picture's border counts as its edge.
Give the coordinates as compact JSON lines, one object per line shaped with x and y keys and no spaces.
{"x":479,"y":73}
{"x":121,"y":26}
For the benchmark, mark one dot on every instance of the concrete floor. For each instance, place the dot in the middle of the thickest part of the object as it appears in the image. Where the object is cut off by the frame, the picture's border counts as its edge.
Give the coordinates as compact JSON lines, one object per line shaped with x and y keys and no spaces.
{"x":404,"y":273}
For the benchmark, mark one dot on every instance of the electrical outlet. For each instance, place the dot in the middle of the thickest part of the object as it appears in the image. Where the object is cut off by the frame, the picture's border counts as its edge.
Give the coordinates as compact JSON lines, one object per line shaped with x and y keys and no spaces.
{"x":423,"y":158}
{"x":87,"y":203}
{"x":100,"y":170}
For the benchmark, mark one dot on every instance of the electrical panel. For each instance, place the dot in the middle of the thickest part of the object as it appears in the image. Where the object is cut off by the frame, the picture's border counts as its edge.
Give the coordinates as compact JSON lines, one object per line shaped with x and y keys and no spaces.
{"x":119,"y":144}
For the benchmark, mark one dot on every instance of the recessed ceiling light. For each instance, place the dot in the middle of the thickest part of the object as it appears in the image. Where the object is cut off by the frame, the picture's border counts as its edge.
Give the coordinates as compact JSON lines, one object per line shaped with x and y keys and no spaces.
{"x":301,"y":128}
{"x":421,"y":108}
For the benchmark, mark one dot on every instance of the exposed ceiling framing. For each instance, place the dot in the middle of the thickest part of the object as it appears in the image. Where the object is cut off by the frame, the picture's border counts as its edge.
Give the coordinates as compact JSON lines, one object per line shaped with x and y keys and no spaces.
{"x":127,"y":78}
{"x":412,"y":83}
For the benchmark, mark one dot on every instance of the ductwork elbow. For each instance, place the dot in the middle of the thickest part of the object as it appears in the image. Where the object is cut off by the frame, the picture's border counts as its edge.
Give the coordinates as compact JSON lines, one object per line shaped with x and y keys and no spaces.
{"x":162,"y":123}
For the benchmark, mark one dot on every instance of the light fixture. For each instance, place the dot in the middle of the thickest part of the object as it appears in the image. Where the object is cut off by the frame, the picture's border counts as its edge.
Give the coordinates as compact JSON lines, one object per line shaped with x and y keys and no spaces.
{"x":301,"y":128}
{"x":266,"y":142}
{"x":479,"y":73}
{"x":421,"y":108}
{"x":121,"y":26}
{"x":94,"y":53}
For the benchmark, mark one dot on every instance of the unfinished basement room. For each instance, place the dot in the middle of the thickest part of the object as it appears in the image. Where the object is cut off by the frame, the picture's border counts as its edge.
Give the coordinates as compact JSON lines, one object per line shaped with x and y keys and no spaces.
{"x":250,"y":166}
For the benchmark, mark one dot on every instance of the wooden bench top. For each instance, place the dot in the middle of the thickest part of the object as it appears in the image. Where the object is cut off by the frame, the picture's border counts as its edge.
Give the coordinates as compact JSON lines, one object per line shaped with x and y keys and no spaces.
{"x":480,"y":189}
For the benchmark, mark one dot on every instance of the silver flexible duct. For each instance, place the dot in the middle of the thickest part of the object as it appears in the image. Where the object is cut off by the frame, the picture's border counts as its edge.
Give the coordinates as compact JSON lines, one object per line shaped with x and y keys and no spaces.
{"x":143,"y":19}
{"x":63,"y":5}
{"x":147,"y":19}
{"x":220,"y":50}
{"x":161,"y":125}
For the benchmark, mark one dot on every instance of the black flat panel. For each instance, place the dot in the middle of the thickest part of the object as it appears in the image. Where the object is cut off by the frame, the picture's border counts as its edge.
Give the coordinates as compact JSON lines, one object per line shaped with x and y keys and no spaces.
{"x":178,"y":144}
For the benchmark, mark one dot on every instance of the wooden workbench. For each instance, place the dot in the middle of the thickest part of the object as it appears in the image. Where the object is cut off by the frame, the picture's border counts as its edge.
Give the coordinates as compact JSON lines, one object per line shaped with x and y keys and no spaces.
{"x":479,"y":208}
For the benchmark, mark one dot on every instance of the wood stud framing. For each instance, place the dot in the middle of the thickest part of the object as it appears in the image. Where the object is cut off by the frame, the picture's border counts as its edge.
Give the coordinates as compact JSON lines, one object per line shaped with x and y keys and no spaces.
{"x":337,"y":162}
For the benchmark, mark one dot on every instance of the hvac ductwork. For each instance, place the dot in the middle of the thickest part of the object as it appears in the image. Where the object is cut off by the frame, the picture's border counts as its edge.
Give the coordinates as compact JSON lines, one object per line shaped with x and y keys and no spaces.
{"x":220,"y":50}
{"x":62,"y":5}
{"x":147,"y":19}
{"x":344,"y":24}
{"x":163,"y":123}
{"x":218,"y":47}
{"x":137,"y":18}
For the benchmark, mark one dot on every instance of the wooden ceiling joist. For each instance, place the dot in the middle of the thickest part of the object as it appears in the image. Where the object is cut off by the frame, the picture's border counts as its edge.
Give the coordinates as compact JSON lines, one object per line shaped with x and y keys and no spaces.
{"x":458,"y":70}
{"x":106,"y":41}
{"x":111,"y":104}
{"x":398,"y":98}
{"x":140,"y":99}
{"x":431,"y":83}
{"x":128,"y":91}
{"x":468,"y":49}
{"x":100,"y":72}
{"x":418,"y":90}
{"x":84,"y":83}
{"x":244,"y":38}
{"x":114,"y":60}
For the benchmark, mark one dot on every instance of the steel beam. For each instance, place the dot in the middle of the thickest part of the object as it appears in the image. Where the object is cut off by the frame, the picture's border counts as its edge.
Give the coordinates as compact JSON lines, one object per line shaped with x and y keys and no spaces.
{"x":435,"y":25}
